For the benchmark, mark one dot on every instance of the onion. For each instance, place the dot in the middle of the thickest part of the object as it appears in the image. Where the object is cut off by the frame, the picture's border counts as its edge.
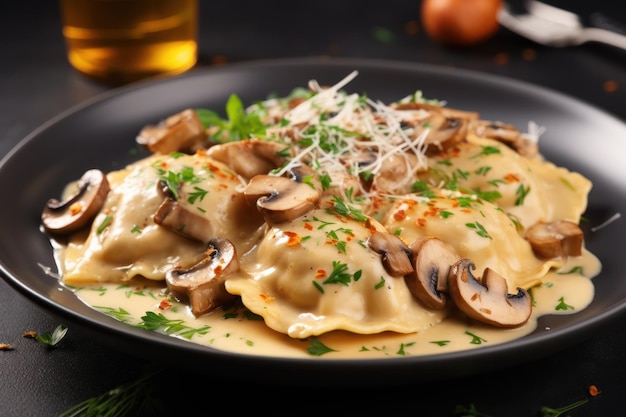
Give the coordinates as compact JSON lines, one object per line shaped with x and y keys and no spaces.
{"x":460,"y":22}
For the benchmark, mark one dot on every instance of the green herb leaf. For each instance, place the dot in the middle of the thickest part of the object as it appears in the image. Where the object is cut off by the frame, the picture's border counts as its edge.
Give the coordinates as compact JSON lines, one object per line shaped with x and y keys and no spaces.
{"x":53,"y":340}
{"x":556,"y":412}
{"x":132,"y":398}
{"x":317,"y":348}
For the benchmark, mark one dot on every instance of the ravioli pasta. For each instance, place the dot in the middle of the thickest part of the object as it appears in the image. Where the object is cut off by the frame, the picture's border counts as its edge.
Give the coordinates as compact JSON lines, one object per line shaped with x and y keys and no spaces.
{"x":335,"y":169}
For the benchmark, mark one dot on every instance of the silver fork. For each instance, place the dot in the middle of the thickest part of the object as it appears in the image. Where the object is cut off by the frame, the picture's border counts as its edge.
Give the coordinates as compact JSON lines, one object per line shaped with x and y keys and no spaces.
{"x":551,"y":26}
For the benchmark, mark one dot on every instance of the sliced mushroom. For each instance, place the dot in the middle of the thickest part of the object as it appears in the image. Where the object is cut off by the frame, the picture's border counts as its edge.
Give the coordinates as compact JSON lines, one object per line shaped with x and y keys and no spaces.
{"x":77,"y":210}
{"x":281,"y":199}
{"x":507,"y":134}
{"x":446,"y":127}
{"x":174,"y":216}
{"x":445,"y":132}
{"x":181,"y":132}
{"x":250,"y":157}
{"x":432,"y":259}
{"x":433,"y":108}
{"x":487,"y":301}
{"x":395,"y":253}
{"x":202,"y":285}
{"x":560,"y":238}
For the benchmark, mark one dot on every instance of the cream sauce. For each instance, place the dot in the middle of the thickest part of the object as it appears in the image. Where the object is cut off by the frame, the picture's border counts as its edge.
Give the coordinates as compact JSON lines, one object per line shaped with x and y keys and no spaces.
{"x":237,"y":331}
{"x":313,"y":285}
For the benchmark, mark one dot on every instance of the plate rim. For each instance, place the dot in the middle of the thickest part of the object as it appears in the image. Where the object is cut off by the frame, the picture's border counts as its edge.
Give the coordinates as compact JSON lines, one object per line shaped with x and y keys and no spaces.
{"x":354,"y":367}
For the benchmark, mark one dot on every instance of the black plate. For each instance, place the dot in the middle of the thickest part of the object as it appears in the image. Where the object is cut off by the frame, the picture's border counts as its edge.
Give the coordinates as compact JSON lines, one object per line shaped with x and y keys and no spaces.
{"x":101,"y":134}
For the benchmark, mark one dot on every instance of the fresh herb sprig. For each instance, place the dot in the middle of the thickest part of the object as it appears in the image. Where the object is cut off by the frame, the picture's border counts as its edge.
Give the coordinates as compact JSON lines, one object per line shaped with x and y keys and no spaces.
{"x":132,"y":398}
{"x":53,"y":339}
{"x":238,"y":124}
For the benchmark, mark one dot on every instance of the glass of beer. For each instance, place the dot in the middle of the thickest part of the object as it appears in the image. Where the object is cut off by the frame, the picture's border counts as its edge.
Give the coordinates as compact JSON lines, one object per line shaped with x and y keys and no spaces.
{"x":120,"y":41}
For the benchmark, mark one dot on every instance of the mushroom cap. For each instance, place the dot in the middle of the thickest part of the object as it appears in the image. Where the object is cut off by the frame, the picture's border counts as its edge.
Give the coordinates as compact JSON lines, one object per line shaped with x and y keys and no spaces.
{"x":281,"y":199}
{"x":203,"y":284}
{"x":432,"y":259}
{"x":447,"y":126}
{"x":487,"y":301}
{"x":507,"y":134}
{"x":71,"y":214}
{"x":445,"y":133}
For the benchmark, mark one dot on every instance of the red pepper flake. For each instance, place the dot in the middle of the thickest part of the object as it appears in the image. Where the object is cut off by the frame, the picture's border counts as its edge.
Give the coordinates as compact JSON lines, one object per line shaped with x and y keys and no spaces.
{"x":377,"y":202}
{"x":31,"y":334}
{"x":412,"y":27}
{"x":165,"y":305}
{"x":594,"y":391}
{"x":529,"y":54}
{"x":76,"y":208}
{"x":421,"y":222}
{"x":6,"y":346}
{"x":432,"y":211}
{"x":308,"y":226}
{"x":320,"y":273}
{"x":219,"y":60}
{"x":502,"y":58}
{"x":294,"y":238}
{"x":610,"y":86}
{"x":511,"y":178}
{"x":370,"y":226}
{"x":216,"y":170}
{"x":267,"y":298}
{"x":399,"y":215}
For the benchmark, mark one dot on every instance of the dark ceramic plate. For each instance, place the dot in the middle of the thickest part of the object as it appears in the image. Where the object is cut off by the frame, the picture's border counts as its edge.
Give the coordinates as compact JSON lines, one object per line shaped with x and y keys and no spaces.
{"x":101,"y":134}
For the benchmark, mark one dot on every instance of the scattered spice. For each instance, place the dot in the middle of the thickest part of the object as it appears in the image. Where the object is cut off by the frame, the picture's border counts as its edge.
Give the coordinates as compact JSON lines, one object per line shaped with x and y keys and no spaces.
{"x":594,"y":391}
{"x":165,"y":305}
{"x":610,"y":86}
{"x":6,"y":346}
{"x":219,"y":60}
{"x":529,"y":54}
{"x":412,"y":27}
{"x":502,"y":58}
{"x":31,"y":334}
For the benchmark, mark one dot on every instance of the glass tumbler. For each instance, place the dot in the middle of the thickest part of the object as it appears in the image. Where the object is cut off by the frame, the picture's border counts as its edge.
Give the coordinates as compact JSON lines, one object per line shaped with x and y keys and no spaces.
{"x":120,"y":41}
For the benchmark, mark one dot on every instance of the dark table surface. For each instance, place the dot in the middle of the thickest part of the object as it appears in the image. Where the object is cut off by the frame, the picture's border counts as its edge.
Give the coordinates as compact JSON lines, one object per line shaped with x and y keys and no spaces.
{"x":37,"y":83}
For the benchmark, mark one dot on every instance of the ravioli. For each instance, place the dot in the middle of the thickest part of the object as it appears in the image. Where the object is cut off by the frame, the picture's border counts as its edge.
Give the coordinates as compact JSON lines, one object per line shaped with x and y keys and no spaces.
{"x":476,"y":229}
{"x":529,"y":189}
{"x":317,"y":274}
{"x":373,"y":168}
{"x":124,"y":241}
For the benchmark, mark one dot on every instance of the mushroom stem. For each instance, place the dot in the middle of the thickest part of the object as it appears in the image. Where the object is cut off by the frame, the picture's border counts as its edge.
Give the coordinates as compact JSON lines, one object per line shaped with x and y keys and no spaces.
{"x":174,"y":216}
{"x":202,"y":285}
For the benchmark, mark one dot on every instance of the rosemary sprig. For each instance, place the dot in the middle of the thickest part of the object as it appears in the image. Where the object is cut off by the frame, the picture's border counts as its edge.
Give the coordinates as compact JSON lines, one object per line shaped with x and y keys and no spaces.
{"x":131,"y":398}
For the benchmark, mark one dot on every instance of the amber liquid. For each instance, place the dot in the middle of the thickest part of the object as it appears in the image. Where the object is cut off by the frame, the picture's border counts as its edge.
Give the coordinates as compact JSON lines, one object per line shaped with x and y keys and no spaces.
{"x":119,"y":41}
